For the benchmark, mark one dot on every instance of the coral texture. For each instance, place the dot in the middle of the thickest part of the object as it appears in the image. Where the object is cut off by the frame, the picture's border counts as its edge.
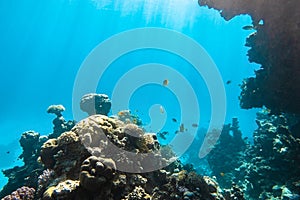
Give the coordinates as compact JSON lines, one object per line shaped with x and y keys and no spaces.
{"x":95,"y":104}
{"x":275,"y":45}
{"x":23,"y":193}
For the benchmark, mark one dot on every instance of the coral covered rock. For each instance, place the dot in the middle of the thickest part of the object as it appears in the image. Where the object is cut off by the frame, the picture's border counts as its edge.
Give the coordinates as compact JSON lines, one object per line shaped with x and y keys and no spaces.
{"x":64,"y":190}
{"x":60,"y":124}
{"x":95,"y":104}
{"x":97,"y":173}
{"x":23,"y":193}
{"x":275,"y":45}
{"x":227,"y":155}
{"x":56,"y":109}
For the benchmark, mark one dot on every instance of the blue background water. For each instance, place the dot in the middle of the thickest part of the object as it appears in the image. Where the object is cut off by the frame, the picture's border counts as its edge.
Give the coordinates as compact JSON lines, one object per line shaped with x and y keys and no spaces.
{"x":43,"y":44}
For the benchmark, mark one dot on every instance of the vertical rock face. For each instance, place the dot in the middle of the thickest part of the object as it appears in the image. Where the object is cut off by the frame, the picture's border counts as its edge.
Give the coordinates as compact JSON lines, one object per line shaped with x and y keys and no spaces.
{"x":275,"y":45}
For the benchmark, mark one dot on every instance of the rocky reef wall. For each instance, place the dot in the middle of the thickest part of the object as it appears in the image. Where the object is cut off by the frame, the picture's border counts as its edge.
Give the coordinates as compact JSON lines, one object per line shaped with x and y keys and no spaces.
{"x":275,"y":45}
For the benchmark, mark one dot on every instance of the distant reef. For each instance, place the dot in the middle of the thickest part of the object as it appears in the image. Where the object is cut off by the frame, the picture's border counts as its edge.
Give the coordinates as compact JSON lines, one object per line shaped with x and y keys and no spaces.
{"x":275,"y":45}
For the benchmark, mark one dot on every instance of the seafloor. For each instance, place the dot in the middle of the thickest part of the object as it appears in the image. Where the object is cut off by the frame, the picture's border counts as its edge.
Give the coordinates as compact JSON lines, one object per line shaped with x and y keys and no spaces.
{"x":59,"y":166}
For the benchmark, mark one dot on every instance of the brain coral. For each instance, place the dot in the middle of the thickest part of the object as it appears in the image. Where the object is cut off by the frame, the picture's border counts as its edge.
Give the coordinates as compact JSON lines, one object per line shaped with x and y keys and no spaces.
{"x":96,"y":172}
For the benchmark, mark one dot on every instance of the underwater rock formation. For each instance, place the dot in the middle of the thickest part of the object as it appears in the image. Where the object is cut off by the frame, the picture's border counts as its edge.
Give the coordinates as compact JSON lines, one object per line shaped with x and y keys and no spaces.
{"x":275,"y":45}
{"x":127,"y":117}
{"x":60,"y":124}
{"x":28,"y":173}
{"x":95,"y":104}
{"x":273,"y":160}
{"x":227,"y":154}
{"x":23,"y":193}
{"x":95,"y":177}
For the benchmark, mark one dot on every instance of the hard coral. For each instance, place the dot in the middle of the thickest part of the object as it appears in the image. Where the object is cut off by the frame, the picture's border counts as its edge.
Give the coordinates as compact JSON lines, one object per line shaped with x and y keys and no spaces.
{"x":95,"y":104}
{"x":97,"y":173}
{"x":275,"y":45}
{"x":64,"y":190}
{"x":23,"y":193}
{"x":56,"y":109}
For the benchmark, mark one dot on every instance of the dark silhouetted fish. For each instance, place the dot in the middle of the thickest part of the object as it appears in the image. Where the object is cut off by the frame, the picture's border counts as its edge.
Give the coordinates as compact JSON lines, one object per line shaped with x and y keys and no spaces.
{"x":228,"y":82}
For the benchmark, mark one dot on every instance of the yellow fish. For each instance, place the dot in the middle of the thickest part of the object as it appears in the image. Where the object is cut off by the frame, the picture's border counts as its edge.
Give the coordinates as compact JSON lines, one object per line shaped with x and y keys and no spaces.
{"x":165,"y":82}
{"x":162,"y":110}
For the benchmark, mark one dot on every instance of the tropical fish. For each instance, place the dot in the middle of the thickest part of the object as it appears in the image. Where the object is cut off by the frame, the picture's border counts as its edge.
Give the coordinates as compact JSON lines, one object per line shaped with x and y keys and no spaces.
{"x":163,"y":135}
{"x":161,"y":109}
{"x":165,"y":82}
{"x":228,"y":82}
{"x":121,"y":113}
{"x":174,"y":120}
{"x":222,"y":174}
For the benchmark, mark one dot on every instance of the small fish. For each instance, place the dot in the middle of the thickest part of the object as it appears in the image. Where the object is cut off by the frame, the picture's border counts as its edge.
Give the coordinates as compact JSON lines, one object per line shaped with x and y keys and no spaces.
{"x":181,"y":128}
{"x":165,"y":82}
{"x":228,"y":82}
{"x":249,"y":27}
{"x":195,"y":125}
{"x":222,"y":174}
{"x":161,"y":109}
{"x":8,"y":152}
{"x":174,"y":120}
{"x":121,"y":113}
{"x":163,"y":135}
{"x":134,"y":121}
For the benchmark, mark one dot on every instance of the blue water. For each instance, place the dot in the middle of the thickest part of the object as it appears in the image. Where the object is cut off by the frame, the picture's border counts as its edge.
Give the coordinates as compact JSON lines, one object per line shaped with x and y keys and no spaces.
{"x":43,"y":44}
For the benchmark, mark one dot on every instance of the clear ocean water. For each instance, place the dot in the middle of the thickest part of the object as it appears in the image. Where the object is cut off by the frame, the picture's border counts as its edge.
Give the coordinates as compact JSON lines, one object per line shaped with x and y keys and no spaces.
{"x":44,"y":43}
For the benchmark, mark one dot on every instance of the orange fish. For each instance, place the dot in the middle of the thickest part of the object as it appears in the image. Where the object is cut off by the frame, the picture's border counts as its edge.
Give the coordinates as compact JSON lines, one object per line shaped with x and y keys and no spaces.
{"x":222,"y":174}
{"x":121,"y":113}
{"x":165,"y":82}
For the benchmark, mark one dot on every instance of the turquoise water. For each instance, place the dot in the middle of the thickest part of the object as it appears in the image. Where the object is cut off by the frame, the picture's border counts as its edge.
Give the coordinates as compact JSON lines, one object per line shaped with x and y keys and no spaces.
{"x":43,"y":44}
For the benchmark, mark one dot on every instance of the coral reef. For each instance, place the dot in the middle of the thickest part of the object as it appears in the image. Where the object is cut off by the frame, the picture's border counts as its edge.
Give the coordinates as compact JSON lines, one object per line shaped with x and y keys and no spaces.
{"x":97,"y":176}
{"x":127,"y":117}
{"x":227,"y":154}
{"x":29,"y":172}
{"x":60,"y":124}
{"x":272,"y":160}
{"x":275,"y":45}
{"x":96,"y":173}
{"x":95,"y":104}
{"x":23,"y":193}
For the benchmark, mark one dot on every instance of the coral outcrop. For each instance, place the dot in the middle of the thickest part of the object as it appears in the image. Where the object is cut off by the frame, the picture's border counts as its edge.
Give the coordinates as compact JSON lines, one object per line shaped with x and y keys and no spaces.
{"x":23,"y":193}
{"x":275,"y":45}
{"x":95,"y":104}
{"x":26,"y":175}
{"x":228,"y":154}
{"x":273,"y":157}
{"x":60,"y":124}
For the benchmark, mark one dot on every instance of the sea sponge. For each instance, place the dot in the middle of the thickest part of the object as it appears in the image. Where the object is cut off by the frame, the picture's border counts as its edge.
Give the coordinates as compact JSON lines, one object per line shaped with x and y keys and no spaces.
{"x":95,"y":104}
{"x":96,"y":173}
